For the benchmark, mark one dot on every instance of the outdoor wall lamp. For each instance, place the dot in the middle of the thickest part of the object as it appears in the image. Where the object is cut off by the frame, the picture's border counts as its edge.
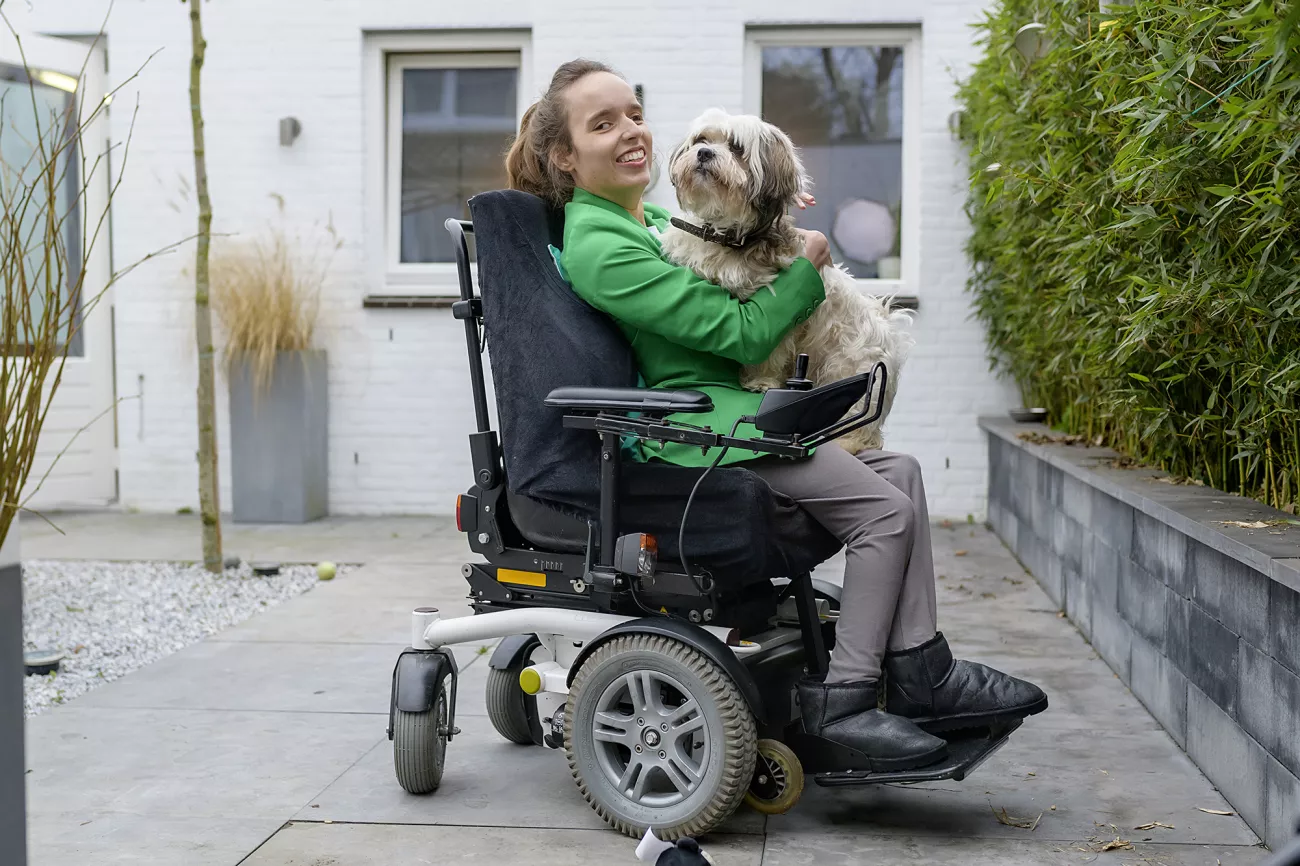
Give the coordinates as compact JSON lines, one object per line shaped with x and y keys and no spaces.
{"x":1032,"y":41}
{"x":290,"y":129}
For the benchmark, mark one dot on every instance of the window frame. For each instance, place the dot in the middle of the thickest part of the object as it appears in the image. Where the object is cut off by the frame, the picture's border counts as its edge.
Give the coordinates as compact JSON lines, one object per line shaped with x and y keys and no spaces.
{"x":907,"y":38}
{"x":387,"y":55}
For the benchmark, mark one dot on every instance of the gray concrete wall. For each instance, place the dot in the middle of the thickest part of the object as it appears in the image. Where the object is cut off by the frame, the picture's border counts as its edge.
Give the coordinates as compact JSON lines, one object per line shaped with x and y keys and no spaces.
{"x":13,"y":780}
{"x":1201,"y":620}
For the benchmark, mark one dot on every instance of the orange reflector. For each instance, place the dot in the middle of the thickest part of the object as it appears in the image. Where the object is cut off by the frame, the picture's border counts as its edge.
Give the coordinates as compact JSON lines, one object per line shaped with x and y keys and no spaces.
{"x":458,"y":524}
{"x":527,"y":578}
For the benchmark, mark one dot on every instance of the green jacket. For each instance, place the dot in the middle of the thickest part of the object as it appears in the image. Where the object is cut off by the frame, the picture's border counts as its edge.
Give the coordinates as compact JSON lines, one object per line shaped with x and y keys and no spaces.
{"x":686,"y":333}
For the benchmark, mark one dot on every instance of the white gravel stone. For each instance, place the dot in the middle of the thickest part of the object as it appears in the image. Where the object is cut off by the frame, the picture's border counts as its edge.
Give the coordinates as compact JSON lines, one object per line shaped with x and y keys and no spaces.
{"x":113,"y":617}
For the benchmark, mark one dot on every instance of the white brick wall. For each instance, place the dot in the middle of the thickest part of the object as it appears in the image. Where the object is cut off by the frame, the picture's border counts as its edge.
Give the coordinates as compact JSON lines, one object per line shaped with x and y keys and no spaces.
{"x":399,"y":389}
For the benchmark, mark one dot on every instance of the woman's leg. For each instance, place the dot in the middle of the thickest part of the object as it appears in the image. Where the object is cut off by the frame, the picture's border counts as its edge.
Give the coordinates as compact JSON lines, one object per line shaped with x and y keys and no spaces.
{"x":925,"y":682}
{"x":877,"y":522}
{"x":915,"y":617}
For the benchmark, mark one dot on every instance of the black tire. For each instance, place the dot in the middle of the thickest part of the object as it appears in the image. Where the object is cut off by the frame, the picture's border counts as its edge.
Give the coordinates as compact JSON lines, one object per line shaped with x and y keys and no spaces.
{"x":720,"y":727}
{"x":420,"y":747}
{"x":509,"y":708}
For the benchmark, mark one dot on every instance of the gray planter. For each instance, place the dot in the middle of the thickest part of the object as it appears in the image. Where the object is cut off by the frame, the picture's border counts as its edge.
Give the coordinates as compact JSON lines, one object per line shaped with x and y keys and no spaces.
{"x":13,"y":782}
{"x":279,"y":441}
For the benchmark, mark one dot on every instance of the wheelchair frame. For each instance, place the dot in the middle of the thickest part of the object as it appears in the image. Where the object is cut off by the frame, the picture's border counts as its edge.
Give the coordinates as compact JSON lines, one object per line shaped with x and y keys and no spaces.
{"x":572,"y":604}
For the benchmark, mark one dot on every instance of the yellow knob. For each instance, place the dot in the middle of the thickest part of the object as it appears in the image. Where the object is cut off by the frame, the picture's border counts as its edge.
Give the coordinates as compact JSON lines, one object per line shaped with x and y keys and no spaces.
{"x":530,"y":681}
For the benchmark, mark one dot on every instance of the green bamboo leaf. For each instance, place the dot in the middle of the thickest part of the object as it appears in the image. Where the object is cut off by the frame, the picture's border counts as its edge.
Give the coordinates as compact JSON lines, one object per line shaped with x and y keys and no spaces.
{"x":1139,"y":377}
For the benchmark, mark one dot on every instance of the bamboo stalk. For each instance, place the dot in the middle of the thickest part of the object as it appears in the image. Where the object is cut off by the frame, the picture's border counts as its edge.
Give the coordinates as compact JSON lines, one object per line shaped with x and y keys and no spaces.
{"x":209,"y":502}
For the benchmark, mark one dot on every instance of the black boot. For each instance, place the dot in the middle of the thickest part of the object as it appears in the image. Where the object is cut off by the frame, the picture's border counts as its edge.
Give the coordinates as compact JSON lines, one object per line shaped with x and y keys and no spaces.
{"x":926,"y":685}
{"x":848,"y":715}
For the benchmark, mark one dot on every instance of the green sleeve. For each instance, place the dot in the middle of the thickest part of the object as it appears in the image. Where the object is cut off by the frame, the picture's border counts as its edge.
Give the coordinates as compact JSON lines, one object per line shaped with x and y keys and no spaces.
{"x":617,"y":274}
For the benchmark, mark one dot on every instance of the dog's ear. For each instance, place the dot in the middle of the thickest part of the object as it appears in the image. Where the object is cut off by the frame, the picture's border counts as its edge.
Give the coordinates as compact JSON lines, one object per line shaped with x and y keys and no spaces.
{"x":672,"y":161}
{"x":783,"y":175}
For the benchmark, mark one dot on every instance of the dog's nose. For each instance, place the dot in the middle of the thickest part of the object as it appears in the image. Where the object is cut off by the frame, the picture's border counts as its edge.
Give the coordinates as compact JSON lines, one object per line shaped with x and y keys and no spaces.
{"x":704,"y":154}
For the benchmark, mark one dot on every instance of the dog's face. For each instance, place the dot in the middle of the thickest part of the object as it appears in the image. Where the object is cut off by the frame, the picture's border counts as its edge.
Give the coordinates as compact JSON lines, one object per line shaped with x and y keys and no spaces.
{"x":733,"y":169}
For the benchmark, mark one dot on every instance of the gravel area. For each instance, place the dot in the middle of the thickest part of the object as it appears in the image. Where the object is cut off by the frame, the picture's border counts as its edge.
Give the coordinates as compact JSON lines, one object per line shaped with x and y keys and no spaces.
{"x":113,"y":617}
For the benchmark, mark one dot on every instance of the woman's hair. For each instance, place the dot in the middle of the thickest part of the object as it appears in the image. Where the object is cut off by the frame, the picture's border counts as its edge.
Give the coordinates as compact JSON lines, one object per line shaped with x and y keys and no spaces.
{"x":545,"y":129}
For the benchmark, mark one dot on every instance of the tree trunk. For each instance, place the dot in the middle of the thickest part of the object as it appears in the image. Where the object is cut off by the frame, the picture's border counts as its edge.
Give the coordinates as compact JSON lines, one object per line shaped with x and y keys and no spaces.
{"x":209,"y":503}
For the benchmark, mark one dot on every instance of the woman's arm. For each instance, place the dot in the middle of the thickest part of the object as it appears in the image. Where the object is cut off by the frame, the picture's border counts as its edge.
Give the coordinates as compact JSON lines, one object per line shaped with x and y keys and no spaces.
{"x":621,"y":276}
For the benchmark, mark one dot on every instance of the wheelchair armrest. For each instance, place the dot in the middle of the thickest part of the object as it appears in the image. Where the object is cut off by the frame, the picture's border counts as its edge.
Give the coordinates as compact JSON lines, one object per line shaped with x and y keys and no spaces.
{"x":649,"y":401}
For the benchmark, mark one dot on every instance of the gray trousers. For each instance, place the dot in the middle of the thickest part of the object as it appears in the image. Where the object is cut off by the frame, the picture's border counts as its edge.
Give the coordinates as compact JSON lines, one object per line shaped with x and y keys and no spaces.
{"x":874,"y":503}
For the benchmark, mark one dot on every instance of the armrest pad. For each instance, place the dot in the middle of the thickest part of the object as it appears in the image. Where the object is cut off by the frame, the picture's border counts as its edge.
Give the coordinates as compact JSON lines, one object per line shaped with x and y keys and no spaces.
{"x":646,"y":400}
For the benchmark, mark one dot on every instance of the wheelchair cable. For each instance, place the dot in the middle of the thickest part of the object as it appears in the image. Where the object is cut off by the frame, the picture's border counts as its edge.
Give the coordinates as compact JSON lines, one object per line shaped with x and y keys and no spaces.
{"x":681,"y":532}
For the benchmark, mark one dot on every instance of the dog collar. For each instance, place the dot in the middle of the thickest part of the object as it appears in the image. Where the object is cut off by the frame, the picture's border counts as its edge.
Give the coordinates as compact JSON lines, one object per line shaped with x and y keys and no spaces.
{"x":729,"y":237}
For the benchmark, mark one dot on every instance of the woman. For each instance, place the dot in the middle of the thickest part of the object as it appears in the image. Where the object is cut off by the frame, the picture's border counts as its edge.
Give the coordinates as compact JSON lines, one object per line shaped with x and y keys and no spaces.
{"x":585,"y":146}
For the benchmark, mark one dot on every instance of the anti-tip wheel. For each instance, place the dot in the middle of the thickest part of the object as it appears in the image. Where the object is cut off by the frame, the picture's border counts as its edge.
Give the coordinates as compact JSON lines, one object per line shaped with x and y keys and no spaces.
{"x":778,"y":779}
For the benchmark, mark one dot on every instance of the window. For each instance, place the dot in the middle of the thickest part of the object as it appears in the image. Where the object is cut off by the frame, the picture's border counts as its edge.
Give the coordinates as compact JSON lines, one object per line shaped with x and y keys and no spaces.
{"x":850,"y":98}
{"x":37,"y":119}
{"x":446,"y":118}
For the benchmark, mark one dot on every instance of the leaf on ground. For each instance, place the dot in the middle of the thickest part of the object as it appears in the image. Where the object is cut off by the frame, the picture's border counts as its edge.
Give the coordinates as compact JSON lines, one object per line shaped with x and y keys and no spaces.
{"x":1213,"y":811}
{"x":1011,"y":821}
{"x":1152,"y":825}
{"x":1118,"y":844}
{"x":959,"y":553}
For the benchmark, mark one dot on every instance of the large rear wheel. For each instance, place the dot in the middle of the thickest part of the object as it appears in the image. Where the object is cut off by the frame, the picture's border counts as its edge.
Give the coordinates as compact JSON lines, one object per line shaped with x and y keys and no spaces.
{"x":658,"y":735}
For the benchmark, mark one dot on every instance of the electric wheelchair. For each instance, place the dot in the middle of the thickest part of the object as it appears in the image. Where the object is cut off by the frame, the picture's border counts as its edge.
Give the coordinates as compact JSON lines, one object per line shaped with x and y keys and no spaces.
{"x":654,"y":618}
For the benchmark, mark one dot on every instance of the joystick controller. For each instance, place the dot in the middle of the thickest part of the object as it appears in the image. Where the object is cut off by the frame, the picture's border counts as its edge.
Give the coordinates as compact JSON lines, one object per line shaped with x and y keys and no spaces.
{"x":800,"y":380}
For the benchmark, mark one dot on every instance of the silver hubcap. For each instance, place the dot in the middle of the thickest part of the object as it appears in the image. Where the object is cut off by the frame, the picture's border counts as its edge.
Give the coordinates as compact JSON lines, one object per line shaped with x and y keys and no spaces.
{"x":651,"y":740}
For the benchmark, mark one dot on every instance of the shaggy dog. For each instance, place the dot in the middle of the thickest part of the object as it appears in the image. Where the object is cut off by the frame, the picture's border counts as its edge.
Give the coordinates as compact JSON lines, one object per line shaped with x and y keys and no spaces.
{"x":735,"y":176}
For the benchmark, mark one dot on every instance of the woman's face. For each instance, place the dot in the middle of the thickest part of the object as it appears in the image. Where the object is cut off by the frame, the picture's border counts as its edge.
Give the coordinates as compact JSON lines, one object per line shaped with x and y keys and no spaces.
{"x":611,"y":144}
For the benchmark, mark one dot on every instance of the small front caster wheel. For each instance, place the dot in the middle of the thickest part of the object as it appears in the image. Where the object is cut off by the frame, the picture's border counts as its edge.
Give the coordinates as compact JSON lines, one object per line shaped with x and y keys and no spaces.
{"x":778,"y":779}
{"x":420,"y":745}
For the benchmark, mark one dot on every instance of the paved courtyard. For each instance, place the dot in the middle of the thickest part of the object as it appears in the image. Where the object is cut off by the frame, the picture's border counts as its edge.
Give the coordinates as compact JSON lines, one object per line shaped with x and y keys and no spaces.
{"x":264,"y":745}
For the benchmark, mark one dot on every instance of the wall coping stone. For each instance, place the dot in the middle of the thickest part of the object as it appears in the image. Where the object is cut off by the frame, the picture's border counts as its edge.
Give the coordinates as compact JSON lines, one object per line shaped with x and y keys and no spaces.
{"x":1194,"y":511}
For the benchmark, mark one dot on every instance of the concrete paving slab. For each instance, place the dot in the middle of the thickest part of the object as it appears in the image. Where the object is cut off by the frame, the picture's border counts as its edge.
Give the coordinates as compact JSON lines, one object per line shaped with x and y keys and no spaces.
{"x":124,"y":839}
{"x":382,"y":579}
{"x":186,"y":763}
{"x":488,"y":782}
{"x":303,"y":844}
{"x":1100,"y":778}
{"x":321,"y":616}
{"x":280,"y":677}
{"x":105,"y":758}
{"x":838,"y":849}
{"x":121,"y":535}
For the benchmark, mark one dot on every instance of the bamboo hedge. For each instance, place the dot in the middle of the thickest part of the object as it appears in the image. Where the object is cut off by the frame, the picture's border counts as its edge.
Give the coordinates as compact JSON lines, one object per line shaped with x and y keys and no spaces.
{"x":1135,"y":204}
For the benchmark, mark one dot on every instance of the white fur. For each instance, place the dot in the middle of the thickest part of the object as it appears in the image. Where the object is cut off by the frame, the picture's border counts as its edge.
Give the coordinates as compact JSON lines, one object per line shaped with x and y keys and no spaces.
{"x":851,"y":331}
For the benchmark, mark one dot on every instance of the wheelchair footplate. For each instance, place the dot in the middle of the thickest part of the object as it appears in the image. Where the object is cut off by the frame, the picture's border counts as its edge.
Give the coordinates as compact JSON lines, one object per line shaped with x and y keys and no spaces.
{"x":824,"y":760}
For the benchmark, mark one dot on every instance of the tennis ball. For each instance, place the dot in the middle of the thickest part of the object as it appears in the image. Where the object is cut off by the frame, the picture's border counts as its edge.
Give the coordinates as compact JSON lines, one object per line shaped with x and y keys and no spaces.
{"x":326,"y":570}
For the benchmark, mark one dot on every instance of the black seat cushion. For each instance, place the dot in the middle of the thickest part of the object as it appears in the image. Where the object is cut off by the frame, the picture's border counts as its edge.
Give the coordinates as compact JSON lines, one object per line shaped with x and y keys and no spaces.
{"x":548,"y":528}
{"x":541,"y":336}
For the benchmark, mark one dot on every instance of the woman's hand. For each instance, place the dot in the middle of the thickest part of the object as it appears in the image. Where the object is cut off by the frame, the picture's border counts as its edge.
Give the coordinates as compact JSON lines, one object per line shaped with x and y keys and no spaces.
{"x":806,"y":200}
{"x":816,"y":248}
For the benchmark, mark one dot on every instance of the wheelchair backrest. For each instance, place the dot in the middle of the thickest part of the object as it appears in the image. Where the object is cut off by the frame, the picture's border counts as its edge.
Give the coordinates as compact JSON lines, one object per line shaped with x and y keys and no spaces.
{"x":541,"y":336}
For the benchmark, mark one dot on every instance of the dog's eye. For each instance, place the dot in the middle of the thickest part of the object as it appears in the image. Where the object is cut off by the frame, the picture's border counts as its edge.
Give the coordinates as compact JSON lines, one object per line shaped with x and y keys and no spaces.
{"x":736,"y":149}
